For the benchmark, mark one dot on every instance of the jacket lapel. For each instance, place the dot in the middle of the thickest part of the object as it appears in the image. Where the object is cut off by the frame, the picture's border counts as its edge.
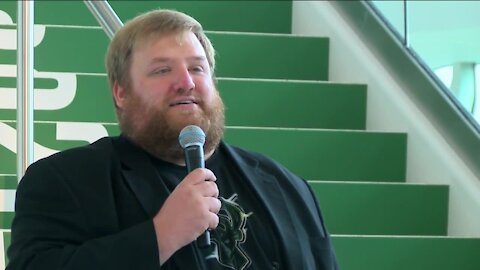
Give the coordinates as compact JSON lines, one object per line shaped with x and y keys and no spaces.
{"x":267,"y":189}
{"x":141,"y":176}
{"x":150,"y":190}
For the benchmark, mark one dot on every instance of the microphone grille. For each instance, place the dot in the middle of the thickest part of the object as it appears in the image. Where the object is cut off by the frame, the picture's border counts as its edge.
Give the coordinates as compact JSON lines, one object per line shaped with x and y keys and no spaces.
{"x":191,"y":135}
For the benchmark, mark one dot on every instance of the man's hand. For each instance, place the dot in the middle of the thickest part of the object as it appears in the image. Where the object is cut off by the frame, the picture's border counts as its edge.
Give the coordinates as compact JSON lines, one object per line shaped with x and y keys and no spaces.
{"x":188,"y":212}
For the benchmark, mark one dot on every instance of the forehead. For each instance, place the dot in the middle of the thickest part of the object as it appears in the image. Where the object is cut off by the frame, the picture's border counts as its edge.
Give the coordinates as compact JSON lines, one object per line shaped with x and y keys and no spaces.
{"x":163,"y":43}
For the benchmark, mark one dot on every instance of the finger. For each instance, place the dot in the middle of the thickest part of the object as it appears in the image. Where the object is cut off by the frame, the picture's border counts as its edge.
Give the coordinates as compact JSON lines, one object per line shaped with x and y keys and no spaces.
{"x":209,"y":189}
{"x":205,"y":189}
{"x":200,"y":175}
{"x":214,"y":205}
{"x":213,"y":221}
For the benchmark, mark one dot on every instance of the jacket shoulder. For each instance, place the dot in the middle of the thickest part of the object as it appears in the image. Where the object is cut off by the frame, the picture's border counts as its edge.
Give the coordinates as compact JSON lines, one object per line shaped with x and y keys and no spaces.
{"x":249,"y":156}
{"x":261,"y":161}
{"x":76,"y":159}
{"x":95,"y":150}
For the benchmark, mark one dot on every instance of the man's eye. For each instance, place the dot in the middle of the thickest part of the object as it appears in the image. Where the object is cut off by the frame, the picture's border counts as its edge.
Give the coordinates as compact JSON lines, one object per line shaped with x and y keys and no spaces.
{"x":197,"y":69}
{"x":161,"y":71}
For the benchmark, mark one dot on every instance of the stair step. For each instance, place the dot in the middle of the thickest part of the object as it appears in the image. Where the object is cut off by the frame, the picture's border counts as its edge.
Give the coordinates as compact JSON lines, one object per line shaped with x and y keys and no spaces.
{"x":86,"y":98}
{"x":412,"y":253}
{"x":383,"y":208}
{"x":241,"y":55}
{"x":223,"y":15}
{"x":6,"y":219}
{"x":49,"y":137}
{"x":311,"y":153}
{"x":394,"y":252}
{"x":8,"y":182}
{"x":329,"y":154}
{"x":276,"y":103}
{"x":214,"y":15}
{"x":8,"y":161}
{"x":272,"y":54}
{"x":359,"y":208}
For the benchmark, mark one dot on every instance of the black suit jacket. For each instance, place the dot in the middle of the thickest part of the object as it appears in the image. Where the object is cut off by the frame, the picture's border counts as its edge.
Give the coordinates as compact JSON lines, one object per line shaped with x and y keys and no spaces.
{"x":92,"y":207}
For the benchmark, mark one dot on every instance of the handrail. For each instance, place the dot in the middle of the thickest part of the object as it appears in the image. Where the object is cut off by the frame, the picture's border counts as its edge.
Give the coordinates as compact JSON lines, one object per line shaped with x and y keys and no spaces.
{"x":25,"y":20}
{"x":445,"y":112}
{"x":105,"y":15}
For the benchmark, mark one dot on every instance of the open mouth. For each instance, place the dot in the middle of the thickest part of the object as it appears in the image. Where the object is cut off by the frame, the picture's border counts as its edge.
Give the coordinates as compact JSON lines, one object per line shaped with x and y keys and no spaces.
{"x":182,"y":102}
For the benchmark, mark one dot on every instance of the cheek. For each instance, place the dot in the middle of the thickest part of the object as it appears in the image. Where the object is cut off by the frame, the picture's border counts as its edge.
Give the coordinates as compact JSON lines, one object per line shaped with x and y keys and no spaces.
{"x":207,"y":89}
{"x":150,"y":94}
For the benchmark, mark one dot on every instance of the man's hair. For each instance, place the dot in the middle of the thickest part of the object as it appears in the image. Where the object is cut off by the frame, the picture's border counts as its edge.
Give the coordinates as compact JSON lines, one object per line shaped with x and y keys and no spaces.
{"x":143,"y":28}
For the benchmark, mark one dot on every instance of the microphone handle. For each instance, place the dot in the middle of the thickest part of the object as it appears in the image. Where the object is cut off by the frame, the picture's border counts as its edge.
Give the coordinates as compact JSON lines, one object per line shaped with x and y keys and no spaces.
{"x":194,"y":158}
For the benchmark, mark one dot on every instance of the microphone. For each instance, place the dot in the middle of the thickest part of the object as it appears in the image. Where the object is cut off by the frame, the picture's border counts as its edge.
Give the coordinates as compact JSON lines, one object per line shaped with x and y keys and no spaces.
{"x":191,"y":139}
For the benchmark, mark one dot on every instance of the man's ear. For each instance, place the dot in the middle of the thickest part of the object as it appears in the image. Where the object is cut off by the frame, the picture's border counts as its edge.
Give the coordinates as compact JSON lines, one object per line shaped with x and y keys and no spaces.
{"x":118,"y":94}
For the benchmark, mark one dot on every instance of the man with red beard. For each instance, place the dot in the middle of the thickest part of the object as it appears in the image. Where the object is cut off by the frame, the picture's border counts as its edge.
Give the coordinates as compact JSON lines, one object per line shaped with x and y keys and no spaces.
{"x":127,"y":202}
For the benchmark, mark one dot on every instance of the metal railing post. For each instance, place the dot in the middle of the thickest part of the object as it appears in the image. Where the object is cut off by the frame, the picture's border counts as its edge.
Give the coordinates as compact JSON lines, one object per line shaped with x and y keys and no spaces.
{"x":25,"y":22}
{"x":105,"y":15}
{"x":406,"y":23}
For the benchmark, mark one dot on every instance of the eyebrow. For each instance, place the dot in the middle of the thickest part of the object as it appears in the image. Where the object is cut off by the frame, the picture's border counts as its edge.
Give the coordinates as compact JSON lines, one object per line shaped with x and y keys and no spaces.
{"x":159,"y":60}
{"x":198,"y":58}
{"x":167,"y":59}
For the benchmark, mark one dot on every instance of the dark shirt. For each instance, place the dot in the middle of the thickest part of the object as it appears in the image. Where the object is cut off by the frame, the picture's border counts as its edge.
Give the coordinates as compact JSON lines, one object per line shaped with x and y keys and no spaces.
{"x":244,"y":238}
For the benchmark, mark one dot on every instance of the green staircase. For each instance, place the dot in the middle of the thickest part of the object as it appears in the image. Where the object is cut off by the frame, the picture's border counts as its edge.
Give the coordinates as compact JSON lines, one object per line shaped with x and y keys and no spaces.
{"x":279,"y":102}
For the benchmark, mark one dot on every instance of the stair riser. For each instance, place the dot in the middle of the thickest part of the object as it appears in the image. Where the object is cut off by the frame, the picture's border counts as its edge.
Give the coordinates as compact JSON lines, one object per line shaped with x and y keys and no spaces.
{"x":372,"y":253}
{"x":383,"y":209}
{"x":248,"y":103}
{"x":349,"y":208}
{"x":330,"y":155}
{"x":316,"y":155}
{"x":239,"y":56}
{"x":289,"y":104}
{"x":214,"y":15}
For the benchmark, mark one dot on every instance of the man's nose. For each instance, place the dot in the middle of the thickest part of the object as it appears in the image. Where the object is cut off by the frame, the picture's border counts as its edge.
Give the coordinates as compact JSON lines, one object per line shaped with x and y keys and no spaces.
{"x":184,"y":80}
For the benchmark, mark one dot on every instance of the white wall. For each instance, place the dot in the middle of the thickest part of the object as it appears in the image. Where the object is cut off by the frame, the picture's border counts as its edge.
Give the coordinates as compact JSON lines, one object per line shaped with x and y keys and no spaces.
{"x":430,"y":159}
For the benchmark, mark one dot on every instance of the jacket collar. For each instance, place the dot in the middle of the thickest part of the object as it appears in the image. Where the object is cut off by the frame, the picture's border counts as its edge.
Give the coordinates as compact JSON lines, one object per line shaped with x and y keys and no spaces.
{"x":141,"y":176}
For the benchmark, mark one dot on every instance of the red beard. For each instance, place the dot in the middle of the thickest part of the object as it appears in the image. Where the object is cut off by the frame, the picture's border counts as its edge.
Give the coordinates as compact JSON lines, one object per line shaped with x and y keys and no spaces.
{"x":155,"y":133}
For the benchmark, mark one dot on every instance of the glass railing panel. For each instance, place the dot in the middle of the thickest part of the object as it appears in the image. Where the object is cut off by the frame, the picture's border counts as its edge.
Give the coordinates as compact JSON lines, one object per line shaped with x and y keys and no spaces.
{"x":394,"y":11}
{"x":445,"y":35}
